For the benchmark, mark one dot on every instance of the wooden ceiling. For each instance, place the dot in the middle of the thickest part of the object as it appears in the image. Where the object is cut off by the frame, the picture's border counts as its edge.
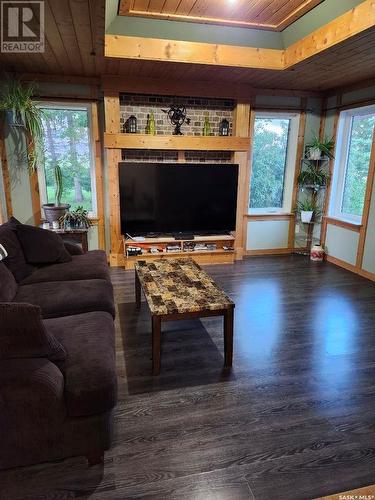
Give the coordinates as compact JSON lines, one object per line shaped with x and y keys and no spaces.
{"x":274,"y":15}
{"x":347,"y":63}
{"x":75,"y":48}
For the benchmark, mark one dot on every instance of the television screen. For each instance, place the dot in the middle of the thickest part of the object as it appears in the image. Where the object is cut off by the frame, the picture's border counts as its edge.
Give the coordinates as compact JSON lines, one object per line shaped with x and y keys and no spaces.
{"x":175,"y":197}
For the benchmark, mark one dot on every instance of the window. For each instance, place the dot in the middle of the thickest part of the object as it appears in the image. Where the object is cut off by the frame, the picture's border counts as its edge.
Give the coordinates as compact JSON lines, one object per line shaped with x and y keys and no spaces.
{"x":68,"y":143}
{"x":273,"y":162}
{"x":353,"y":151}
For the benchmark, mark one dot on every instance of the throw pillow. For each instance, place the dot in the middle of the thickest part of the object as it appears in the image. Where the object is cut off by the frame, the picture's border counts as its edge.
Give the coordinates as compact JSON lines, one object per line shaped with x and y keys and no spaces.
{"x":23,"y":334}
{"x":15,"y":260}
{"x":42,"y":246}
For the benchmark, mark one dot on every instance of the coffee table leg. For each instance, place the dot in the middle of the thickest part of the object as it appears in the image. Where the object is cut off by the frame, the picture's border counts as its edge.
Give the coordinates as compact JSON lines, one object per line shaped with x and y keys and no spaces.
{"x":156,"y":334}
{"x":228,"y":337}
{"x":137,"y":290}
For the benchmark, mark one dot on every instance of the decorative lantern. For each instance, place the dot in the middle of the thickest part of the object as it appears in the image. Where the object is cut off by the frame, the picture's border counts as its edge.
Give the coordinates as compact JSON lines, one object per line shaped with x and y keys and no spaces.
{"x":131,"y":125}
{"x":224,"y":127}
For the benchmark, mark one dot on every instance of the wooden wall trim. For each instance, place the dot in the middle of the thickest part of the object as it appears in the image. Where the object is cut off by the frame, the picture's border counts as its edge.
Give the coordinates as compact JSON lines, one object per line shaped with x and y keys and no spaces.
{"x":241,"y":126}
{"x":112,"y":125}
{"x":175,"y":142}
{"x":5,"y":173}
{"x":323,"y":232}
{"x":246,"y":193}
{"x":156,"y":49}
{"x":98,"y":175}
{"x":349,"y":24}
{"x":341,"y":223}
{"x":366,"y":206}
{"x":349,"y":267}
{"x":269,"y":217}
{"x":34,"y":185}
{"x":342,"y":263}
{"x":297,"y":170}
{"x":195,"y":88}
{"x":269,"y":251}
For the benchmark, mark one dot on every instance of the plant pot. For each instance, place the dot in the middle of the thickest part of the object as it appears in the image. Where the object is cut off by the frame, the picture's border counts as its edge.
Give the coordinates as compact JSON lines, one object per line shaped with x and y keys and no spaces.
{"x":14,"y":118}
{"x":315,"y":154}
{"x":317,"y":253}
{"x":53,"y":212}
{"x":306,"y":216}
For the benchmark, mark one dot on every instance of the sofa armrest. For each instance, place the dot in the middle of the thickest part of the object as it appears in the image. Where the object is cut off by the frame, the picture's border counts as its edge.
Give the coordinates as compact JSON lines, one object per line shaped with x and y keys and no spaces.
{"x":23,"y":334}
{"x":31,"y":385}
{"x":73,"y":248}
{"x":32,"y":410}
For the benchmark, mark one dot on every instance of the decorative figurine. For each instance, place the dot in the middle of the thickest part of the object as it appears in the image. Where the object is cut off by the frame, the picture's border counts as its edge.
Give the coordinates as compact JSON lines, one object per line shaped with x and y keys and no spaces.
{"x":206,"y":127}
{"x":224,"y":127}
{"x":131,"y":125}
{"x":177,"y":117}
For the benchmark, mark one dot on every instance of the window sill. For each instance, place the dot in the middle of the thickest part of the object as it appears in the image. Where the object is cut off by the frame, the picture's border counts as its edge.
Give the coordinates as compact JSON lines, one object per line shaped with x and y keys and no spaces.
{"x":344,"y":223}
{"x":270,"y":216}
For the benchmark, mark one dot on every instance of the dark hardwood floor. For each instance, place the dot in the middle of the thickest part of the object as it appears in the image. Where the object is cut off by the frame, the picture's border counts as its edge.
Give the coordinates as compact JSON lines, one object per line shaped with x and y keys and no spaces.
{"x":293,"y":420}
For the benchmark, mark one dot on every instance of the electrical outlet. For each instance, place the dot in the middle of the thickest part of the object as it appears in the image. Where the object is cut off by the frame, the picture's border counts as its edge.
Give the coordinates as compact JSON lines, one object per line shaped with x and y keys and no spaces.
{"x":297,"y":228}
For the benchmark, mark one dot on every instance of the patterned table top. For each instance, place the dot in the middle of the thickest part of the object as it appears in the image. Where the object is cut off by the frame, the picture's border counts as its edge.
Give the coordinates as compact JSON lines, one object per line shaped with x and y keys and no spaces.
{"x":179,"y":286}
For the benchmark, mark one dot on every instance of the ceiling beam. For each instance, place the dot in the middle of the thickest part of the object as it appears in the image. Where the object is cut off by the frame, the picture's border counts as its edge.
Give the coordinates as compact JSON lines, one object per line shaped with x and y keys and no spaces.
{"x":194,"y":88}
{"x":350,"y":24}
{"x":155,"y":49}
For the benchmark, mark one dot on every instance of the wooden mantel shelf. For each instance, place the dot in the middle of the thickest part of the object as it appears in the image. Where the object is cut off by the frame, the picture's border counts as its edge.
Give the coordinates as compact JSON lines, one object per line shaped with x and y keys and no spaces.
{"x":176,"y":142}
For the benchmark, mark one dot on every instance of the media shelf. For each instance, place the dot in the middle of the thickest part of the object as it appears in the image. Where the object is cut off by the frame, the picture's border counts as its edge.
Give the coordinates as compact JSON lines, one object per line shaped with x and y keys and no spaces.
{"x":217,"y":255}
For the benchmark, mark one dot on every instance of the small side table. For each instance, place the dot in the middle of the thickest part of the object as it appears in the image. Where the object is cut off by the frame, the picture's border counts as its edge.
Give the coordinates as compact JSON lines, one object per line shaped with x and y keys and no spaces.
{"x":75,"y":235}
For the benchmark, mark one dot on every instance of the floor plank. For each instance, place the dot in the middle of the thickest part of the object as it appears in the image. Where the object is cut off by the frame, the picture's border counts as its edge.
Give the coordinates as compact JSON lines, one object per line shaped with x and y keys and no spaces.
{"x":293,"y":420}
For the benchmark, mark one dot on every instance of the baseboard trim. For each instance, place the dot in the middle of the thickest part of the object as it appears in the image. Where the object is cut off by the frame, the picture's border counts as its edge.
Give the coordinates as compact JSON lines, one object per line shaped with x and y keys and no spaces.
{"x":342,"y":263}
{"x":269,"y":251}
{"x":350,"y":267}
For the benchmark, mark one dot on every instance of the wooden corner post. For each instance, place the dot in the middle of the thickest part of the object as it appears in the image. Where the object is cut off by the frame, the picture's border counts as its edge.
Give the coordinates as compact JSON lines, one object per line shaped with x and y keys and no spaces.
{"x":112,"y":125}
{"x":241,"y":128}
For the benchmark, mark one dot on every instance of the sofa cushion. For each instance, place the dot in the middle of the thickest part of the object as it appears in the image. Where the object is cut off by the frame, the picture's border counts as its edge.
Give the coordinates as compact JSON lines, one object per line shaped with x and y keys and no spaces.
{"x":15,"y":260}
{"x":8,"y":285}
{"x":64,"y":298}
{"x":23,"y":334}
{"x":41,"y":246}
{"x":90,"y":265}
{"x":89,"y":368}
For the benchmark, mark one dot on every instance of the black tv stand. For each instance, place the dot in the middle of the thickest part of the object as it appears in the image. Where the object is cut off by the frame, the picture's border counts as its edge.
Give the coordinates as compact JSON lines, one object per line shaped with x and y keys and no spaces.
{"x":183,"y":236}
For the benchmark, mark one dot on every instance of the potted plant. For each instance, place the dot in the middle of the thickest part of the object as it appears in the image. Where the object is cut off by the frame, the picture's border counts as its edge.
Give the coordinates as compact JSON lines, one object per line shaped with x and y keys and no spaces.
{"x":76,"y":219}
{"x":313,"y":177}
{"x":307,"y":209}
{"x":54,"y":211}
{"x":316,"y":148}
{"x":22,"y":111}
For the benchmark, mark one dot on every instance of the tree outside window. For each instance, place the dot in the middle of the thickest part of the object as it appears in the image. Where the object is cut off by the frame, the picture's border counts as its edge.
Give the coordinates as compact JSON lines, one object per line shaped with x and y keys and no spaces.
{"x":270,"y":146}
{"x":67,"y":143}
{"x":357,"y":165}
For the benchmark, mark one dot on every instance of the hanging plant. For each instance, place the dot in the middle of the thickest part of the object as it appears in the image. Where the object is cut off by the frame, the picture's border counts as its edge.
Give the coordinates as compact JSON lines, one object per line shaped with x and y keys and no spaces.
{"x":16,"y":101}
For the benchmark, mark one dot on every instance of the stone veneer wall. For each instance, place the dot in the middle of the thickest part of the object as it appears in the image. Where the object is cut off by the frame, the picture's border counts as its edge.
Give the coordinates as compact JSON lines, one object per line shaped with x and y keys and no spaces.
{"x":156,"y":156}
{"x":141,"y":105}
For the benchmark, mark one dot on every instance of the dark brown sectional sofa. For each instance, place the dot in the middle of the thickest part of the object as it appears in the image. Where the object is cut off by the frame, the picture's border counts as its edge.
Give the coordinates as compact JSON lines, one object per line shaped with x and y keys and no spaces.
{"x":57,"y":355}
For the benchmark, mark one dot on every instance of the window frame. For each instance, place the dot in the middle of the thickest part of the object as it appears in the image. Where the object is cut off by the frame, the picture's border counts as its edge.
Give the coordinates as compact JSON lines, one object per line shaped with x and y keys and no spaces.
{"x":84,"y":106}
{"x":340,"y":165}
{"x":290,"y":162}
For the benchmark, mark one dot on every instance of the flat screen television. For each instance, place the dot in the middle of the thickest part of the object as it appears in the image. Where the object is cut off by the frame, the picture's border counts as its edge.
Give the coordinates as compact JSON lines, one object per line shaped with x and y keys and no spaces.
{"x":165,"y":198}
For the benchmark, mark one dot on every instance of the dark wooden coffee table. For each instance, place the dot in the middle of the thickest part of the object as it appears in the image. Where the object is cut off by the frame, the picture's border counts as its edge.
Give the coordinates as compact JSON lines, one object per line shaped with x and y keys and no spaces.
{"x":177,"y":289}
